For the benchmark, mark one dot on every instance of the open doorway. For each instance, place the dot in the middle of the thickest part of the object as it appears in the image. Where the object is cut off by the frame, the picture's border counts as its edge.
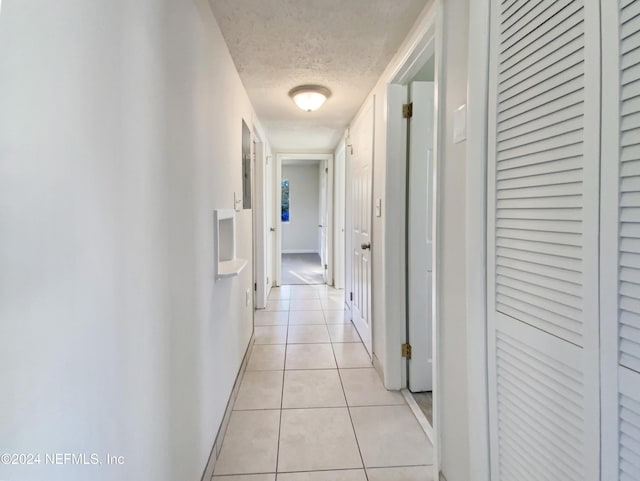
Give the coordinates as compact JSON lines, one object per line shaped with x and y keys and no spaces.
{"x":411,"y":290}
{"x":305,"y":220}
{"x":419,"y":236}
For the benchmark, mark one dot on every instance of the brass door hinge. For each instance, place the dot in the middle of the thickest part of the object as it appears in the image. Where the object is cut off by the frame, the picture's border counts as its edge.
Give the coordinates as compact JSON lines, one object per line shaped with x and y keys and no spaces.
{"x":407,"y":111}
{"x":406,"y":351}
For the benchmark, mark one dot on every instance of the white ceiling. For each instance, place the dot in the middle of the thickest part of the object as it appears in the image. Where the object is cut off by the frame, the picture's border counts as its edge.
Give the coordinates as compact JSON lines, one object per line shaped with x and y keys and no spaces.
{"x":344,"y":45}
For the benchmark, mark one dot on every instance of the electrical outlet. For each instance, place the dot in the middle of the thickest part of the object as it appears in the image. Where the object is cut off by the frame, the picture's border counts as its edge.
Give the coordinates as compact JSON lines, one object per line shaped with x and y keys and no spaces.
{"x":248,"y":297}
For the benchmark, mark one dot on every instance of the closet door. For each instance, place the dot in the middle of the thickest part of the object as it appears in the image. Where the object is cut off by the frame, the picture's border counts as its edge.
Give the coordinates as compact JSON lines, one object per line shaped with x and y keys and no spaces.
{"x":620,"y":261}
{"x":543,"y":240}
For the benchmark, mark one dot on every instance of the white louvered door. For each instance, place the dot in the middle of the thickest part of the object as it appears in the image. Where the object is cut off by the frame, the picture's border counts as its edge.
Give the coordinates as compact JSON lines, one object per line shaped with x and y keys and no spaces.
{"x":620,"y":261}
{"x":543,"y":234}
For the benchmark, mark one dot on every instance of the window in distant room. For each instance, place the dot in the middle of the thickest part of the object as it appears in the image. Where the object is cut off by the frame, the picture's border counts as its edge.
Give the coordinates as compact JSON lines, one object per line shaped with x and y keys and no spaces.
{"x":285,"y":201}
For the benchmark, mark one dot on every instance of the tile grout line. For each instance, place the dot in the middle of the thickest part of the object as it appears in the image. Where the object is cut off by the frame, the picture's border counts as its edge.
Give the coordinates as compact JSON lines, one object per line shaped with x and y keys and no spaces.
{"x":355,"y":434}
{"x":322,"y":407}
{"x":341,"y":385}
{"x":284,"y":370}
{"x":327,"y":470}
{"x":307,"y":368}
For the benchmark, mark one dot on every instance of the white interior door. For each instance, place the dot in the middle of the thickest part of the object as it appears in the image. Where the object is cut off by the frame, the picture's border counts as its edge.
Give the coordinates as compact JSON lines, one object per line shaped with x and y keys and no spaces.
{"x":339,"y":220}
{"x":348,"y":226}
{"x":271,"y":221}
{"x":361,"y":166}
{"x":277,"y":250}
{"x":420,"y":238}
{"x":323,"y":218}
{"x":260,"y":227}
{"x":620,"y":231}
{"x":542,"y":238}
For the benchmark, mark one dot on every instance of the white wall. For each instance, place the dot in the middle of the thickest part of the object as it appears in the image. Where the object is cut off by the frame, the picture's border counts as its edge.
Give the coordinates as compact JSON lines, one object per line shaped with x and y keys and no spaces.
{"x":451,"y":263}
{"x":301,"y":233}
{"x":120,"y":132}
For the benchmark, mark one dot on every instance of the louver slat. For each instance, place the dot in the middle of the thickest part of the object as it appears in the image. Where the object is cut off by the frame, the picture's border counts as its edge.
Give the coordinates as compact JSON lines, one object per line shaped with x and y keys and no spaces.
{"x":539,"y":413}
{"x":629,"y":242}
{"x":557,"y":13}
{"x":554,"y":63}
{"x":629,"y":420}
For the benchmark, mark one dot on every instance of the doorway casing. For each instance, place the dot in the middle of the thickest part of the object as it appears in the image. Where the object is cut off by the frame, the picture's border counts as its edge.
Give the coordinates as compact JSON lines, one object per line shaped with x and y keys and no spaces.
{"x":476,"y":237}
{"x":277,"y":254}
{"x":428,"y":39}
{"x":425,"y":44}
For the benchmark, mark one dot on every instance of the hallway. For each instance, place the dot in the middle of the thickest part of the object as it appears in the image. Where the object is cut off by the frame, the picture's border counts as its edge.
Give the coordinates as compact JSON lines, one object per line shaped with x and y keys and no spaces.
{"x":143,"y":215}
{"x":302,"y":269}
{"x":312,"y":408}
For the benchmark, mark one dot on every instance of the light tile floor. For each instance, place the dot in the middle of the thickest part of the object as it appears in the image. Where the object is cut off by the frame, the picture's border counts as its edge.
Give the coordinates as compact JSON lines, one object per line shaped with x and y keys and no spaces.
{"x":311,"y":407}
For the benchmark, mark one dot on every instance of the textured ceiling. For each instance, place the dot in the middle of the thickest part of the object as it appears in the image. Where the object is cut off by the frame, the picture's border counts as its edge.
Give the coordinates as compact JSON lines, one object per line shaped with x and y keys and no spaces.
{"x":344,"y":45}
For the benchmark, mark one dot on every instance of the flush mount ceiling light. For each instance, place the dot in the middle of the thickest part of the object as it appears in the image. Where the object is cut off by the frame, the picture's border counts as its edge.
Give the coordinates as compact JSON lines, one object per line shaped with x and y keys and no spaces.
{"x":309,"y":97}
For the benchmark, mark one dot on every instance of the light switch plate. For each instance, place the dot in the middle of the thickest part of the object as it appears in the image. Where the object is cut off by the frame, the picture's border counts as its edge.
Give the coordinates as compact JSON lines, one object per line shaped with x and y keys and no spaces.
{"x":237,"y":201}
{"x":379,"y":207}
{"x":460,"y":124}
{"x":248,"y":297}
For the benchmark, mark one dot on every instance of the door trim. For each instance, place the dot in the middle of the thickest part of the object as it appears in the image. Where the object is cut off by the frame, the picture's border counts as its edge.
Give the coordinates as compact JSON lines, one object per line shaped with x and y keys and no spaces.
{"x":259,"y":224}
{"x":339,"y":213}
{"x":281,"y":156}
{"x":331,"y":260}
{"x":395,"y":308}
{"x":609,"y":245}
{"x":428,"y":43}
{"x":476,"y":238}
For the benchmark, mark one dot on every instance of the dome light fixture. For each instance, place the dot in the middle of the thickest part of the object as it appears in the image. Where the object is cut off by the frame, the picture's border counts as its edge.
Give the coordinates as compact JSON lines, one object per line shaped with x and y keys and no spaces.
{"x":309,"y":97}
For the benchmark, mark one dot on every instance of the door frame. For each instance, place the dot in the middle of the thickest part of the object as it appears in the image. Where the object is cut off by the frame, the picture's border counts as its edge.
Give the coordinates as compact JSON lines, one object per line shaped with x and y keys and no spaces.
{"x":476,"y":237}
{"x":421,"y":50}
{"x":280,"y":157}
{"x":331,"y":218}
{"x":339,"y":214}
{"x":426,"y":46}
{"x":323,"y":219}
{"x":259,"y":210}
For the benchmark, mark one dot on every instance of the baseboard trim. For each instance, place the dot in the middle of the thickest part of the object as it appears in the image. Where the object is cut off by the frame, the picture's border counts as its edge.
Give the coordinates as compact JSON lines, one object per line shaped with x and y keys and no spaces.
{"x":217,"y":445}
{"x":417,"y":412}
{"x":377,"y":365}
{"x":299,"y":251}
